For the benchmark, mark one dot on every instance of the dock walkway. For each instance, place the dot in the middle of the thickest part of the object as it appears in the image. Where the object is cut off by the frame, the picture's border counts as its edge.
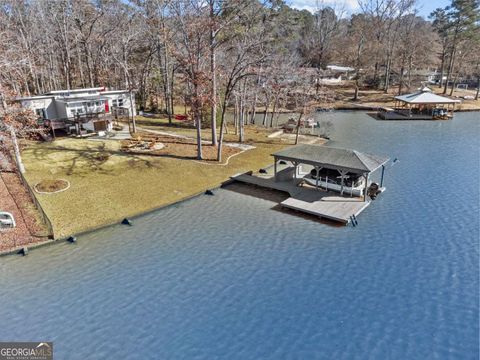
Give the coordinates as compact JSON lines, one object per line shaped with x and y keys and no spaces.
{"x":325,"y":204}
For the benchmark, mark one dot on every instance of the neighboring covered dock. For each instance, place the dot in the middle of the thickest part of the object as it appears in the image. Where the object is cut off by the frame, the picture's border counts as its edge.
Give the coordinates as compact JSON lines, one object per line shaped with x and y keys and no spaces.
{"x":421,"y":105}
{"x":316,"y":195}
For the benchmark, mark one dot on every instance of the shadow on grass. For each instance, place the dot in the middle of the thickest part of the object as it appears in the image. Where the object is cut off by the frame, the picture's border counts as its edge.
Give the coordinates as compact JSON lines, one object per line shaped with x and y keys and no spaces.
{"x":88,"y":160}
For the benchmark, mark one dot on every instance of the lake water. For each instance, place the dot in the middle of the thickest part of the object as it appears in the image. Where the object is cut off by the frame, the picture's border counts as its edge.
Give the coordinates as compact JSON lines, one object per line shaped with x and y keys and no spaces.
{"x":228,"y":277}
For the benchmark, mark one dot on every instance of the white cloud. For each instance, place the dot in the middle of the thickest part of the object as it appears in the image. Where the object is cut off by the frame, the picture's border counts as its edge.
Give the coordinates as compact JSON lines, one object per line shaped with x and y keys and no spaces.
{"x":313,"y":5}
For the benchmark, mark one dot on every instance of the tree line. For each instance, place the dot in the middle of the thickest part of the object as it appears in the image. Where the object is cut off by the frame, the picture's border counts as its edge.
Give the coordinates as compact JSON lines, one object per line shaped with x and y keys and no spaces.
{"x":210,"y":55}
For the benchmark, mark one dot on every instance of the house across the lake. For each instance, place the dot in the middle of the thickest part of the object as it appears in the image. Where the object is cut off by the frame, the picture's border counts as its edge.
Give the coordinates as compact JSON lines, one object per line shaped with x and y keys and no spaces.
{"x":90,"y":109}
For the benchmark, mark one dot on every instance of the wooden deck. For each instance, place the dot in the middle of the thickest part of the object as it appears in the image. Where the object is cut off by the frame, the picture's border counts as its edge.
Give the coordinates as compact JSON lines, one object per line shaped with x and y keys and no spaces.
{"x":333,"y":208}
{"x":324,"y":204}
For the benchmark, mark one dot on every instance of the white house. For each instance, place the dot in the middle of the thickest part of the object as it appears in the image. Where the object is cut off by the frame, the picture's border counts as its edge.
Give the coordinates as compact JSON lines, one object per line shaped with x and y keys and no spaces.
{"x":63,"y":107}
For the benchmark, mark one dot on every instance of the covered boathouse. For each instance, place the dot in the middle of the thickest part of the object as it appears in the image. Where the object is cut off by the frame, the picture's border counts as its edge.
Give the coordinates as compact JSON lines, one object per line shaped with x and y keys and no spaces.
{"x":328,"y":182}
{"x":349,"y":165}
{"x":420,"y":105}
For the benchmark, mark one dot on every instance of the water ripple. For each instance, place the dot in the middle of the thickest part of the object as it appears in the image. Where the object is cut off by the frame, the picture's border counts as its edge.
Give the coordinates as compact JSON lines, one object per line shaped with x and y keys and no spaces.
{"x":229,"y":277}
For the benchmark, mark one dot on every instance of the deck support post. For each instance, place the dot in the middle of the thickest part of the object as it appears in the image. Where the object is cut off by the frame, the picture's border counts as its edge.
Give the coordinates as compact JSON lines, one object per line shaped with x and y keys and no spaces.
{"x":366,"y":188}
{"x":383,"y":172}
{"x":275,"y":168}
{"x":295,"y":166}
{"x":318,"y":172}
{"x":342,"y":175}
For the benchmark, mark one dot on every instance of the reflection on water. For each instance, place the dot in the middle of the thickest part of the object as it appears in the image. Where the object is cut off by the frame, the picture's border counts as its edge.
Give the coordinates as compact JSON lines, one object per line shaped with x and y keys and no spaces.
{"x":228,"y":276}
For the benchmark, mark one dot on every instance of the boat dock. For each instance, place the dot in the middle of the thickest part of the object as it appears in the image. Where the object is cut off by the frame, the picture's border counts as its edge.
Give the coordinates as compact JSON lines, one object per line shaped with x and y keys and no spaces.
{"x":321,"y":203}
{"x":316,"y":195}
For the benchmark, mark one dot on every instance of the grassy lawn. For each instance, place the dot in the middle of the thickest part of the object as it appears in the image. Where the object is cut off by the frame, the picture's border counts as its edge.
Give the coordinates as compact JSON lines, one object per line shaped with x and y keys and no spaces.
{"x":105,"y":189}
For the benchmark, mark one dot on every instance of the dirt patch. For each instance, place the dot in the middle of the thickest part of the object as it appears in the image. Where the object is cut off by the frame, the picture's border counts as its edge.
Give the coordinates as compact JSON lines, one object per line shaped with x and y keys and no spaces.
{"x":171,"y":146}
{"x":52,"y":186}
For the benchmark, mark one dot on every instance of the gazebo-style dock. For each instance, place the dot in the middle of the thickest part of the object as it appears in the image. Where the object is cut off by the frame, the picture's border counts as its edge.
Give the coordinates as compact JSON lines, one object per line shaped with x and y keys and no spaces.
{"x":421,"y":105}
{"x":328,"y":182}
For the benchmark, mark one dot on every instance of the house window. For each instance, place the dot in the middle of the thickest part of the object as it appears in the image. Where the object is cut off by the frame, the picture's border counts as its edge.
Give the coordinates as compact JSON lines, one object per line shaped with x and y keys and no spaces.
{"x":114,"y":102}
{"x":77,"y":108}
{"x":40,"y":112}
{"x":120,"y":102}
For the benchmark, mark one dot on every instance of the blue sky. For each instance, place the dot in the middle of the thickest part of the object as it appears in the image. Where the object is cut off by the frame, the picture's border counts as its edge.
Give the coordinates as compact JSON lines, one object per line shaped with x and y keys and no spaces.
{"x":425,"y":7}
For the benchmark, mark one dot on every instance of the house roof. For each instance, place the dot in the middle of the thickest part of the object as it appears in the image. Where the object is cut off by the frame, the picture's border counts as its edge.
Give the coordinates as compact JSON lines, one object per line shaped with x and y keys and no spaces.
{"x":34,"y":97}
{"x":333,"y":158}
{"x":115,"y":92}
{"x":56,"y":92}
{"x":60,"y":94}
{"x":81,"y":98}
{"x":425,"y":96}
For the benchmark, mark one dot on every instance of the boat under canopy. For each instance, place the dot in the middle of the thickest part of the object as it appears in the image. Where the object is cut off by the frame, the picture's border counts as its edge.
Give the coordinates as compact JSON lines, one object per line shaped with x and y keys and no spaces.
{"x":341,"y":170}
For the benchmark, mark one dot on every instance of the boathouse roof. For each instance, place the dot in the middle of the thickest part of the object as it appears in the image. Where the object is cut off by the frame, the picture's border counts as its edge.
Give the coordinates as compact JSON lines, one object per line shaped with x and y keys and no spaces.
{"x":332,"y":158}
{"x":425,"y":96}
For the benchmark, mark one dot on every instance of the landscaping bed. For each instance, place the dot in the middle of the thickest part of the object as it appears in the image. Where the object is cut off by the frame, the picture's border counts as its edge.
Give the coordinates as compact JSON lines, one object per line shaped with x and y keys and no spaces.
{"x":51,"y":186}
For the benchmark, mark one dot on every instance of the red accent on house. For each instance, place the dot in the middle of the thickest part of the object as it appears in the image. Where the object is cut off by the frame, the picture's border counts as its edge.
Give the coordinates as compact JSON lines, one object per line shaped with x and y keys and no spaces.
{"x":107,"y":109}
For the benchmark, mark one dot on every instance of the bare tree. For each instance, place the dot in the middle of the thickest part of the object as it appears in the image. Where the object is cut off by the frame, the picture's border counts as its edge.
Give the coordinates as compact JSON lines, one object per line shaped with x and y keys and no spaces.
{"x":193,"y":40}
{"x":241,"y":59}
